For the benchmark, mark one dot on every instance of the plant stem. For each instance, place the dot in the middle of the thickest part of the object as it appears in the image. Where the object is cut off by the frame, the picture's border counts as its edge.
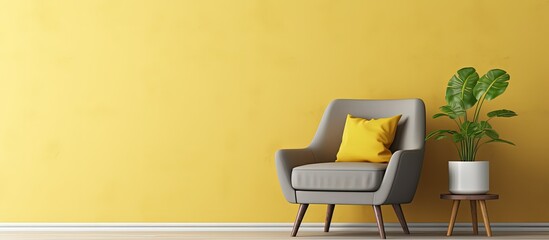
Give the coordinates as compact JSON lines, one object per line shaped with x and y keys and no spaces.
{"x":477,"y":146}
{"x":467,"y":149}
{"x":468,"y":140}
{"x":461,"y":152}
{"x":477,"y":111}
{"x":472,"y":148}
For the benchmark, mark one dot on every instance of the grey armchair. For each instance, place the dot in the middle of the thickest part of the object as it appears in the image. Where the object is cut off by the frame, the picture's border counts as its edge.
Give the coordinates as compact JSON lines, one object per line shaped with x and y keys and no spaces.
{"x":310,"y":175}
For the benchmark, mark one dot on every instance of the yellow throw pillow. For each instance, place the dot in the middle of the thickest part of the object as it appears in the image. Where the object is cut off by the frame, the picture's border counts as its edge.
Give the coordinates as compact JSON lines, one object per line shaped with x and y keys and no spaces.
{"x":367,"y":140}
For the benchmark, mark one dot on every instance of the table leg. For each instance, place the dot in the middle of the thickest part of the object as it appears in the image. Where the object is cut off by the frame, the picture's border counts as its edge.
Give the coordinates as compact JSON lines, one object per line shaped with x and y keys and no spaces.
{"x":485,"y":217}
{"x":455,"y":208}
{"x":474,"y":216}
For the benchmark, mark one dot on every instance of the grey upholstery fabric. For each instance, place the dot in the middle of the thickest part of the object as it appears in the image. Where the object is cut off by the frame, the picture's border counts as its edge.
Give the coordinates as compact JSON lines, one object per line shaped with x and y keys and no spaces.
{"x":323,"y":197}
{"x":338,"y":176}
{"x":400,"y":180}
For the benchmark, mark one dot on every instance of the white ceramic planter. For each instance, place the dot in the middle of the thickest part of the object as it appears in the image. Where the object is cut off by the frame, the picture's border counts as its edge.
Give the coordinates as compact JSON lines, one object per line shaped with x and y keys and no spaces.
{"x":469,"y":177}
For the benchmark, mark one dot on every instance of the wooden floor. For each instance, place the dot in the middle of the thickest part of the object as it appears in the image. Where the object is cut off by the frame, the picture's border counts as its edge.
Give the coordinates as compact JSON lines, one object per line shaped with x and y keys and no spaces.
{"x":142,"y":235}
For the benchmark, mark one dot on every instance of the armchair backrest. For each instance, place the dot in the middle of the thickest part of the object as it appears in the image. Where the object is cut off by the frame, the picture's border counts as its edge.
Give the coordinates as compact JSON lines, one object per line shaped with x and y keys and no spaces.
{"x":410,"y":131}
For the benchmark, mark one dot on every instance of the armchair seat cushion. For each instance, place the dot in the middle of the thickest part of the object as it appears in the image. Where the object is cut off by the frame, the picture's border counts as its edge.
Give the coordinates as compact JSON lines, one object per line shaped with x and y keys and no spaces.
{"x":339,"y":176}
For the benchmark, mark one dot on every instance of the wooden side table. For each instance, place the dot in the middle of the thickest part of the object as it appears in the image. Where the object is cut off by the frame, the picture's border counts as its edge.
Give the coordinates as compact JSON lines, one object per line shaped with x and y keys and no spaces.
{"x":473,"y":199}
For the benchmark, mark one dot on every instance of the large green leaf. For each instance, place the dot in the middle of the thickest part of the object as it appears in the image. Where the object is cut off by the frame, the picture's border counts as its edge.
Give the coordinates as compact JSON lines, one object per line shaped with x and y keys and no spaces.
{"x":482,"y":128}
{"x":457,"y":137}
{"x":441,"y":137}
{"x":491,"y":133}
{"x":468,"y":129}
{"x":501,"y":113}
{"x":453,"y":111}
{"x":476,"y":130}
{"x":440,"y":115}
{"x":500,"y":141}
{"x":439,"y":133}
{"x":460,"y":88}
{"x":485,"y":125}
{"x":492,"y":84}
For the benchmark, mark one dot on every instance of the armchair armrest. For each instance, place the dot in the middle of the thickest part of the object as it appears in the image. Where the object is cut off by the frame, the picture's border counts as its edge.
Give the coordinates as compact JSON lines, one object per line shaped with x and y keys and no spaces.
{"x":401,"y":178}
{"x":286,"y":160}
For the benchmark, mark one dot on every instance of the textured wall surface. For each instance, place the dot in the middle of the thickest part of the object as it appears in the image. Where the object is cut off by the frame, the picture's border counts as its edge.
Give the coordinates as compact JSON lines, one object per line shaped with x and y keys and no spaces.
{"x":171,"y":111}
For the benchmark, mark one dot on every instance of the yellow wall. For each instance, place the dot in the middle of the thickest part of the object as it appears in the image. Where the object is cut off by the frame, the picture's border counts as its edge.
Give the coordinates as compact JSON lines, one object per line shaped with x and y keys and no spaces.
{"x":161,"y":111}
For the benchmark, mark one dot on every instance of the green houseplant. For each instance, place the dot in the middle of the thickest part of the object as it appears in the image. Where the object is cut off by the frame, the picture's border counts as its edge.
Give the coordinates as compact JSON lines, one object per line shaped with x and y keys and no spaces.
{"x":466,"y":94}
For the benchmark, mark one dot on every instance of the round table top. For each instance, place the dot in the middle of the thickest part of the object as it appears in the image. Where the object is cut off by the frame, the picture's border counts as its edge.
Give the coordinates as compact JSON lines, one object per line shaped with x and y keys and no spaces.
{"x":469,"y":196}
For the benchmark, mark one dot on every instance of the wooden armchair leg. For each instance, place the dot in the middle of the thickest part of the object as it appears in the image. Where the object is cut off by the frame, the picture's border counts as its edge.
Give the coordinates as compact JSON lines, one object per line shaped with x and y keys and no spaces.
{"x":401,"y":219}
{"x":329,"y":214}
{"x":299,"y":218}
{"x":379,"y":219}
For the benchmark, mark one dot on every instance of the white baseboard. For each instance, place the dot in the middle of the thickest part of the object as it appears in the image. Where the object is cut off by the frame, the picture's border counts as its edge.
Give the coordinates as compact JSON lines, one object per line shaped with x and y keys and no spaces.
{"x":273,"y":227}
